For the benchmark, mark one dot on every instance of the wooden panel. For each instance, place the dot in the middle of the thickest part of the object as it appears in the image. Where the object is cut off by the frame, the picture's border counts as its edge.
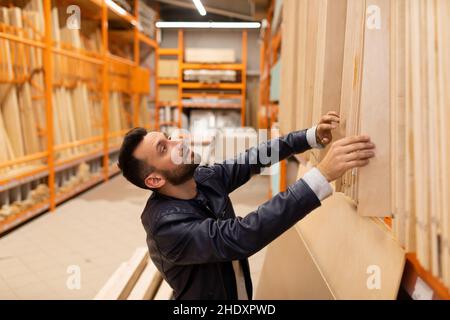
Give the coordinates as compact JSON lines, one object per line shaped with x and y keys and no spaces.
{"x":374,"y":192}
{"x":419,"y":135}
{"x":443,"y":48}
{"x":147,"y":285}
{"x":351,"y":78}
{"x":410,"y":209}
{"x":288,"y":70}
{"x":289,"y":272}
{"x":346,"y":245}
{"x":398,"y":117}
{"x":165,"y":292}
{"x":333,"y":55}
{"x":121,"y":283}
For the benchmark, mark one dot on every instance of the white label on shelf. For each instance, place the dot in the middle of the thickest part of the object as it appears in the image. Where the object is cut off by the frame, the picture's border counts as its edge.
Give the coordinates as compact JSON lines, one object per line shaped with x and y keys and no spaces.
{"x":422,"y":291}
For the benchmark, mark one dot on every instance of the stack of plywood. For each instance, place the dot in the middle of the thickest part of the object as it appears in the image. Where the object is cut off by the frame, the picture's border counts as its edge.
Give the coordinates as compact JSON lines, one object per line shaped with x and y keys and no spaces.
{"x":147,"y":18}
{"x":420,"y":99}
{"x":77,"y":111}
{"x":119,"y":115}
{"x":168,"y":69}
{"x":312,"y":57}
{"x":22,"y":113}
{"x":209,"y":55}
{"x":136,"y":279}
{"x":333,"y":253}
{"x":384,"y":66}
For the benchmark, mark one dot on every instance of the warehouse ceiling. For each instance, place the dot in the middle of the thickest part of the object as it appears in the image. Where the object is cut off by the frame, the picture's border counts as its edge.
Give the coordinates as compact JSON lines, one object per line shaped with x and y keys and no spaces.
{"x":217,"y":10}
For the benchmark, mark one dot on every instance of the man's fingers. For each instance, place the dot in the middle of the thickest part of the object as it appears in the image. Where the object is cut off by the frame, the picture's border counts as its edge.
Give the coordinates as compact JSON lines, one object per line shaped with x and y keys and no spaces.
{"x":326,"y":126}
{"x":357,"y":146}
{"x":357,"y":164}
{"x":352,"y":140}
{"x":360,"y":155}
{"x":329,"y":119}
{"x":333,"y":113}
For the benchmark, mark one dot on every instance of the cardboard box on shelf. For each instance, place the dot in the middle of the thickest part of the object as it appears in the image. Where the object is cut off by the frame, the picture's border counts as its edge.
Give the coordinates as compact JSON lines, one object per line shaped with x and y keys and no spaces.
{"x":209,"y":55}
{"x":168,"y":69}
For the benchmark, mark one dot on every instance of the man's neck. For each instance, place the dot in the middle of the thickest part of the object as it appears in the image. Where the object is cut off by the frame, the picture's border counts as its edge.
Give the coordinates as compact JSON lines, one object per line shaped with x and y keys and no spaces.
{"x":184,"y":191}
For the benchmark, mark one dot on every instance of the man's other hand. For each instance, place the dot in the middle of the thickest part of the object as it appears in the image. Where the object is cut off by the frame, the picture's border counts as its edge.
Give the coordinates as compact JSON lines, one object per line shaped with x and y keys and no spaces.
{"x":346,"y":154}
{"x":327,"y":123}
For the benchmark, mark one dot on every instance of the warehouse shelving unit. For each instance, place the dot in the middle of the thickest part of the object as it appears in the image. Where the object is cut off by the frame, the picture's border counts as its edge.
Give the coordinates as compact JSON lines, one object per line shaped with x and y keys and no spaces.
{"x":268,"y":116}
{"x":206,"y":88}
{"x":176,"y":82}
{"x":105,"y":73}
{"x":268,"y":109}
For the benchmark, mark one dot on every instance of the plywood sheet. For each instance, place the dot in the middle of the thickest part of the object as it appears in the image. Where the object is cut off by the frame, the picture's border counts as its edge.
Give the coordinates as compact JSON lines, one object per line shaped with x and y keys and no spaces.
{"x":147,"y":285}
{"x":165,"y":292}
{"x":348,"y":247}
{"x":290,"y":273}
{"x":374,"y":192}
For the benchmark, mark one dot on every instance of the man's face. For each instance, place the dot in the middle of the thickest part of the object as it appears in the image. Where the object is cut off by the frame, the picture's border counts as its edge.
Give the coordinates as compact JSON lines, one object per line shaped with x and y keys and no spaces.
{"x":173,"y":160}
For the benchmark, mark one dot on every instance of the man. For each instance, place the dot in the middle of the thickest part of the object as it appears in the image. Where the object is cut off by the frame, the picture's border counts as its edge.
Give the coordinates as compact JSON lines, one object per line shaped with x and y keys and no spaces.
{"x":193,"y":235}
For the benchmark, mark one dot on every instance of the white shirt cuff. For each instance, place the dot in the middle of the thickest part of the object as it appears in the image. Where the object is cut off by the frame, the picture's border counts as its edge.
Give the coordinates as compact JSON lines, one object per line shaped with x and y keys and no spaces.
{"x":318,"y":184}
{"x":311,"y":138}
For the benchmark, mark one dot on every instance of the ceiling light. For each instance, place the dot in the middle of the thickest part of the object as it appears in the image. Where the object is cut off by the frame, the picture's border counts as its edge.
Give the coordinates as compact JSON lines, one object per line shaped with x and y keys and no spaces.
{"x":200,"y":8}
{"x":208,"y":25}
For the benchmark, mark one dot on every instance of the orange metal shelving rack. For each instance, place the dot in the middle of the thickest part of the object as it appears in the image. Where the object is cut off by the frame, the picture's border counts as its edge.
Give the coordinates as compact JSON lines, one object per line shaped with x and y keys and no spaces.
{"x":181,"y":85}
{"x":138,"y":78}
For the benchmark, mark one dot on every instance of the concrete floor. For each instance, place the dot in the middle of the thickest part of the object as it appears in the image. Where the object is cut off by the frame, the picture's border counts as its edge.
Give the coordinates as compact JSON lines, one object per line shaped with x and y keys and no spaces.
{"x":94,"y":232}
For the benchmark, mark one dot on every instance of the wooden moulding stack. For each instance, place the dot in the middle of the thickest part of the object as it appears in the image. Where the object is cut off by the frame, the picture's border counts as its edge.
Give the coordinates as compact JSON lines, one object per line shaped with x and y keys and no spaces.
{"x":384,"y":66}
{"x":333,"y":253}
{"x":420,"y":90}
{"x":136,"y":279}
{"x":22,"y":113}
{"x":76,"y":107}
{"x":119,"y":115}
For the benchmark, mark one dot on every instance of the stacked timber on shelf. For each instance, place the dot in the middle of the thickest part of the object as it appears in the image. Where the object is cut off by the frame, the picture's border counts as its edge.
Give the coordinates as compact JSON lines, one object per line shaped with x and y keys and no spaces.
{"x":34,"y":174}
{"x":22,"y":116}
{"x":76,"y":106}
{"x":384,"y":66}
{"x":22,"y":108}
{"x":136,"y":279}
{"x":420,"y":100}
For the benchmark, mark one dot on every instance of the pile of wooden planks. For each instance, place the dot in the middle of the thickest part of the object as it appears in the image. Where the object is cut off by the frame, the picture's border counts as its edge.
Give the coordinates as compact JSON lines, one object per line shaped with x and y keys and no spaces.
{"x":22,"y":113}
{"x":420,"y":100}
{"x":136,"y":279}
{"x":307,"y":262}
{"x":77,"y":109}
{"x":119,"y":115}
{"x":384,"y":66}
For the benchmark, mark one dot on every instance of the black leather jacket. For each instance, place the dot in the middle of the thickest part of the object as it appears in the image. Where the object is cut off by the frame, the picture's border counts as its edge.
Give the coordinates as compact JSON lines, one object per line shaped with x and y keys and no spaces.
{"x":193,"y":242}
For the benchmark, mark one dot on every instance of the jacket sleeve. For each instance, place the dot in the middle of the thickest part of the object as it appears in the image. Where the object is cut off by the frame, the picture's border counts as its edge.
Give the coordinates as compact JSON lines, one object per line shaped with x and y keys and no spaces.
{"x":236,"y":172}
{"x":187,"y":239}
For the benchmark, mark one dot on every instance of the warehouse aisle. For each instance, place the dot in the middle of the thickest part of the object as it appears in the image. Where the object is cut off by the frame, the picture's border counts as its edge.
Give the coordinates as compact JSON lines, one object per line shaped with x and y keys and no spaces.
{"x":95,"y":232}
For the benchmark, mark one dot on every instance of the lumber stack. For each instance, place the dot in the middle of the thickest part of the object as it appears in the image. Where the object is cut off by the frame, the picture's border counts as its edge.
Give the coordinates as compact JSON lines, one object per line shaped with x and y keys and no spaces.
{"x":76,"y":105}
{"x":420,"y":99}
{"x":308,"y":261}
{"x":136,"y":279}
{"x":384,"y":66}
{"x":120,"y":115}
{"x":22,"y":113}
{"x":147,"y":18}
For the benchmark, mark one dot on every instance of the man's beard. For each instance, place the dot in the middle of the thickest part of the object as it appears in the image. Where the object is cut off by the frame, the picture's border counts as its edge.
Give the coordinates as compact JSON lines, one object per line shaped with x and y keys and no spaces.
{"x":183,"y":172}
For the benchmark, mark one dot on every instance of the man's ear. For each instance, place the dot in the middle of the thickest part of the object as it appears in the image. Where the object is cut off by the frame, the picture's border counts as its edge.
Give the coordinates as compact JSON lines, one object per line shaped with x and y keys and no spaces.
{"x":155,"y":180}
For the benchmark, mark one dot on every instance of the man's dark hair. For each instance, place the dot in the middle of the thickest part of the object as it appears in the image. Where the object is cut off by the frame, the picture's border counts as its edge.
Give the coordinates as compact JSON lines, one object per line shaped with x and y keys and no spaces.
{"x":133,"y":169}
